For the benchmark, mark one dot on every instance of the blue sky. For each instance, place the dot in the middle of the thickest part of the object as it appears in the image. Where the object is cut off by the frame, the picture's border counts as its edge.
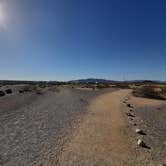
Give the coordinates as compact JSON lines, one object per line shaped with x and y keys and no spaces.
{"x":71,"y":39}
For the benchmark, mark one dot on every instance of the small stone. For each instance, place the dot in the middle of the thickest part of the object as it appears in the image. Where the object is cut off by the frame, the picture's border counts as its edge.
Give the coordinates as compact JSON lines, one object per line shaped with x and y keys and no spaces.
{"x":141,"y":143}
{"x":129,"y":114}
{"x":139,"y":131}
{"x":16,"y":122}
{"x":126,"y":98}
{"x":128,"y":105}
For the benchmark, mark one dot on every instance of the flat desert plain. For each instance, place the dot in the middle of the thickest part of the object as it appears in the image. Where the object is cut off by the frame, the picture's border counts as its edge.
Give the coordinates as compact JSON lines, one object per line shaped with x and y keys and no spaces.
{"x":69,"y":126}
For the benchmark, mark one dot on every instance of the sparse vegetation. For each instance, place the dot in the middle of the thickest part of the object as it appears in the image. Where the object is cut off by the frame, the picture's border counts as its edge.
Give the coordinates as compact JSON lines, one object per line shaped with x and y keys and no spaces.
{"x":21,"y":91}
{"x":39,"y":92}
{"x":2,"y":93}
{"x":101,"y":86}
{"x":153,"y":92}
{"x":8,"y":91}
{"x":122,"y":85}
{"x":30,"y":88}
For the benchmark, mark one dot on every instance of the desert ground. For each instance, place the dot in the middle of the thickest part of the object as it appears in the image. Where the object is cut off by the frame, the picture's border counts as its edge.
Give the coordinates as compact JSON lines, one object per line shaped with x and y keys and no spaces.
{"x":80,"y":126}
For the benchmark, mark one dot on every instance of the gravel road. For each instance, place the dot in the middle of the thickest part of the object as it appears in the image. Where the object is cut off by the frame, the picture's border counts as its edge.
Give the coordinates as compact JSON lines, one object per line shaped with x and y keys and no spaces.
{"x":102,"y":138}
{"x":33,"y":128}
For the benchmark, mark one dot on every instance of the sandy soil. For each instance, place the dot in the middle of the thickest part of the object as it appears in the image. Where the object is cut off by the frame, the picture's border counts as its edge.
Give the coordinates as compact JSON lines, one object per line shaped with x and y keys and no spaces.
{"x":103,"y":138}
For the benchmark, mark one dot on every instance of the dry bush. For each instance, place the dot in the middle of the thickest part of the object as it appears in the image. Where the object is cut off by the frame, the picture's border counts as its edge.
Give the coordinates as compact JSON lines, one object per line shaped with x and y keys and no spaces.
{"x":21,"y":91}
{"x":8,"y":91}
{"x":91,"y":86}
{"x":39,"y":91}
{"x":2,"y":93}
{"x":123,"y":86}
{"x":28,"y":88}
{"x":42,"y":85}
{"x":150,"y":92}
{"x":102,"y":86}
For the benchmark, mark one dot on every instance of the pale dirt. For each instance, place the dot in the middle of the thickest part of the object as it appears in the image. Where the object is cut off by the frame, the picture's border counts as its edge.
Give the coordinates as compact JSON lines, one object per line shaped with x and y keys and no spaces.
{"x":102,"y":139}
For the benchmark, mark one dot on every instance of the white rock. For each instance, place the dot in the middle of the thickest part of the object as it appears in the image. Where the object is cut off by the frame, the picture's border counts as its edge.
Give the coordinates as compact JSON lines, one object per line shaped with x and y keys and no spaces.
{"x":140,"y":143}
{"x":139,"y":131}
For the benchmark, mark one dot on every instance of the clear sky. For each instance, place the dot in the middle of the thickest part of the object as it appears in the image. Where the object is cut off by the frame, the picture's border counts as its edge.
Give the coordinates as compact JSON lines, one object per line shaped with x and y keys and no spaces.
{"x":71,"y":39}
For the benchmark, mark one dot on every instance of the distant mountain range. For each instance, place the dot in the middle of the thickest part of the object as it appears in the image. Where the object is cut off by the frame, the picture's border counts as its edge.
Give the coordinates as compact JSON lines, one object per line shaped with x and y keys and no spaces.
{"x":96,"y":80}
{"x":89,"y":80}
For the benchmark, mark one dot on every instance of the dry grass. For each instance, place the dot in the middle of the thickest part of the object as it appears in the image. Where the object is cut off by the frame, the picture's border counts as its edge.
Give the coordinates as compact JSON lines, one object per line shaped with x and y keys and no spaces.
{"x":102,"y":86}
{"x":153,"y":92}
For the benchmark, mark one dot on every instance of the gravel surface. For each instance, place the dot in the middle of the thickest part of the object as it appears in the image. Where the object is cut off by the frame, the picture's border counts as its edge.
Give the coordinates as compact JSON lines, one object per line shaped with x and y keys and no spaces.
{"x":102,"y":138}
{"x":150,"y":116}
{"x":154,"y":124}
{"x":34,"y":127}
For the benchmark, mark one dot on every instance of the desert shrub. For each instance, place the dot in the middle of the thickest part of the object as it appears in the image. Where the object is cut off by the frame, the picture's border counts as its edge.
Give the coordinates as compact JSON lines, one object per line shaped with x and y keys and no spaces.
{"x":163,"y":90}
{"x":88,"y":86}
{"x":101,"y":86}
{"x":30,"y":88}
{"x":39,"y":92}
{"x":2,"y":93}
{"x":27,"y":89}
{"x":122,"y":85}
{"x":8,"y":91}
{"x":21,"y":91}
{"x":42,"y":85}
{"x":150,"y":92}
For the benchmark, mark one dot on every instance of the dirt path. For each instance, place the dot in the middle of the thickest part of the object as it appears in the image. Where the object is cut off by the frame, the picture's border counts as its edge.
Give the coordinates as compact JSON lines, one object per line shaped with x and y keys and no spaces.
{"x":102,"y":138}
